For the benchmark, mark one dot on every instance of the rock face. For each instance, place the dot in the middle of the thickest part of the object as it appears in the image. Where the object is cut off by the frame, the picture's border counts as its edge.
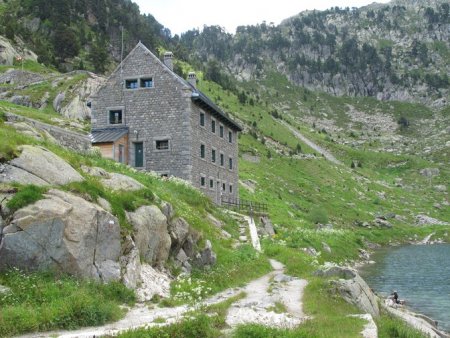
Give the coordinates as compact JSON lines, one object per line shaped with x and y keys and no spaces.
{"x":37,"y":165}
{"x":77,"y":108}
{"x":63,"y":232}
{"x":151,"y":234}
{"x":121,"y":182}
{"x":353,"y":289}
{"x":8,"y":53}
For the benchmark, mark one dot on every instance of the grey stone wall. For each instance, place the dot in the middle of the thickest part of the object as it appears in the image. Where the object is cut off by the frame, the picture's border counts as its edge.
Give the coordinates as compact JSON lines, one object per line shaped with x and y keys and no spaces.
{"x":152,"y":114}
{"x":205,"y":167}
{"x":66,"y":138}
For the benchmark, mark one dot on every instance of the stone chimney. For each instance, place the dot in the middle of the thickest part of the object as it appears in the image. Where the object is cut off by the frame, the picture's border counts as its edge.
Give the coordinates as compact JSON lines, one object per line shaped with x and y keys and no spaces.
{"x":168,"y":60}
{"x":192,"y":79}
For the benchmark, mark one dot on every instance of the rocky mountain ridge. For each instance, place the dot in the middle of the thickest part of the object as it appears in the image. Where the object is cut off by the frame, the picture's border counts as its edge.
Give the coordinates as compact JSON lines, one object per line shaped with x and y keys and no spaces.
{"x":394,"y":51}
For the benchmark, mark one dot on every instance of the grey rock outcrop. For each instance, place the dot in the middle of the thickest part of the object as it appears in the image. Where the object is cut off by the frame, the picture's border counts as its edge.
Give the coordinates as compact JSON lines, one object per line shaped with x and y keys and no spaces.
{"x":37,"y":165}
{"x":63,"y":232}
{"x":76,"y":108}
{"x":430,"y":172}
{"x":353,"y":289}
{"x":151,"y":234}
{"x":21,"y":100}
{"x":57,"y":102}
{"x":130,"y":264}
{"x":267,"y":226}
{"x":206,"y":257}
{"x":121,"y":182}
{"x":179,"y":231}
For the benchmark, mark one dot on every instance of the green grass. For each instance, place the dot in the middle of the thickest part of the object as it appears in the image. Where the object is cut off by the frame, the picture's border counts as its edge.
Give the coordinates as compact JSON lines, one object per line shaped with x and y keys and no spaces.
{"x":205,"y":322}
{"x":25,"y":195}
{"x":44,"y":301}
{"x":391,"y":327}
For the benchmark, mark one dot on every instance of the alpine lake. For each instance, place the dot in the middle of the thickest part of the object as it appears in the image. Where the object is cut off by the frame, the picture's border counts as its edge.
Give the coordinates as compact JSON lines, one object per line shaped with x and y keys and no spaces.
{"x":419,"y":273}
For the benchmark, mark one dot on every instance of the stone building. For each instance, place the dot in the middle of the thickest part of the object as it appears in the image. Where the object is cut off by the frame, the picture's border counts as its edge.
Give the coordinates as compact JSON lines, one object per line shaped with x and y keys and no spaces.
{"x":150,"y":118}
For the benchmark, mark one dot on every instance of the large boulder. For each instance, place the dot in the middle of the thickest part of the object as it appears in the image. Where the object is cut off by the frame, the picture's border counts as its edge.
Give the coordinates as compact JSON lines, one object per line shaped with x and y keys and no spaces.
{"x":121,"y":182}
{"x":63,"y":232}
{"x":354,"y":289}
{"x":207,"y":257}
{"x":130,"y":264}
{"x":42,"y":167}
{"x":179,"y":231}
{"x":151,"y":234}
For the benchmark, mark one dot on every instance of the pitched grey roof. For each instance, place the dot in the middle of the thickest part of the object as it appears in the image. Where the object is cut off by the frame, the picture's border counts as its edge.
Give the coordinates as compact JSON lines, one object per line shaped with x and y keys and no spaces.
{"x":107,"y":135}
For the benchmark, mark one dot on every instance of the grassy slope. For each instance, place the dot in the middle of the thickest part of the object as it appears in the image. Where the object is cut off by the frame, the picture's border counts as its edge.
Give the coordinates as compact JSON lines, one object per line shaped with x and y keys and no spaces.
{"x":299,"y":192}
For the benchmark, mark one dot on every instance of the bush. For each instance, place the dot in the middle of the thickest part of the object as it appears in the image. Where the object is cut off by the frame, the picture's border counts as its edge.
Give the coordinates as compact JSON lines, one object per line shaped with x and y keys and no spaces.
{"x":318,"y":215}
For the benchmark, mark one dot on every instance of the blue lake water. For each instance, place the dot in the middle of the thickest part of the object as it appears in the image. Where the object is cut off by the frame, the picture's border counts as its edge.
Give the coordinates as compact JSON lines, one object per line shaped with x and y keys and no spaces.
{"x":420,"y":274}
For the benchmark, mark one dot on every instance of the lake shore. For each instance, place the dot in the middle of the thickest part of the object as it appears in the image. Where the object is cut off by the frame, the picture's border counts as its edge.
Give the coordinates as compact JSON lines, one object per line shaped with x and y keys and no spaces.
{"x":417,"y":320}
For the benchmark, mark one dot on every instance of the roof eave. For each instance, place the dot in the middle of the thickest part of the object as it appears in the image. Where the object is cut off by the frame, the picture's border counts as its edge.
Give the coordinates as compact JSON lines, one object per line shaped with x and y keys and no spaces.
{"x":197,"y":97}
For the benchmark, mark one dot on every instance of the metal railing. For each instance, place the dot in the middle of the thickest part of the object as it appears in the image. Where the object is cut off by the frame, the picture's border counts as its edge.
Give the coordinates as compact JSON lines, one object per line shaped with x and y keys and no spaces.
{"x":244,"y":205}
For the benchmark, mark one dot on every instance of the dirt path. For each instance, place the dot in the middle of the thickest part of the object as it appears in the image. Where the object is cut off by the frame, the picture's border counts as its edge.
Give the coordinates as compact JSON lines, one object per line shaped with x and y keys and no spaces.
{"x":259,"y":306}
{"x":273,"y":300}
{"x":310,"y":143}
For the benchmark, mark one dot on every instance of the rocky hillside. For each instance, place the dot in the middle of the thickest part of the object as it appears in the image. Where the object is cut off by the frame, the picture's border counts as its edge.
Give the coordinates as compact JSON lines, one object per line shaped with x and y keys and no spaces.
{"x":395,"y":51}
{"x":74,"y":34}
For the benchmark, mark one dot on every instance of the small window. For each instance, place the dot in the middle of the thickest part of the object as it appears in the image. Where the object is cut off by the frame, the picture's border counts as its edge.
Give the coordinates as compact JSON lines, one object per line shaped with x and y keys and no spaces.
{"x":131,"y":84}
{"x":115,"y":117}
{"x":222,"y":160}
{"x":202,"y":151}
{"x":221,"y":131}
{"x":223,"y":187}
{"x":147,"y":82}
{"x":202,"y":181}
{"x":213,"y":155}
{"x":230,"y":163}
{"x":230,"y":137}
{"x":231,"y":188}
{"x":213,"y":126}
{"x":162,"y":144}
{"x":211,"y":183}
{"x":202,"y":119}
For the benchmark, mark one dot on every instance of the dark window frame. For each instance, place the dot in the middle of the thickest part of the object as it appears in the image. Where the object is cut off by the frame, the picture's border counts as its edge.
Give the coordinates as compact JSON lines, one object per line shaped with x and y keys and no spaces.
{"x":120,"y":116}
{"x":202,"y":119}
{"x":162,"y":144}
{"x":213,"y":155}
{"x":230,"y":136}
{"x":213,"y":126}
{"x":131,"y":83}
{"x":146,"y":80}
{"x":230,"y":163}
{"x":202,"y":151}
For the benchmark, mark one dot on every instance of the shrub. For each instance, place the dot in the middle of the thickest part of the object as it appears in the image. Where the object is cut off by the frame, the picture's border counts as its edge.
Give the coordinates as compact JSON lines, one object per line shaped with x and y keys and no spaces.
{"x":318,"y":215}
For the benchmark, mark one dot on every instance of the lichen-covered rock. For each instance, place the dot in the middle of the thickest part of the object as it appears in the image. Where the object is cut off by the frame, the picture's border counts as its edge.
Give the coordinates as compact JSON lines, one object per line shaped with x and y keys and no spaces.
{"x":207,"y":257}
{"x":151,"y":234}
{"x":178,"y":230}
{"x":44,"y":165}
{"x":63,"y":232}
{"x":354,"y":290}
{"x":130,"y":264}
{"x":121,"y":182}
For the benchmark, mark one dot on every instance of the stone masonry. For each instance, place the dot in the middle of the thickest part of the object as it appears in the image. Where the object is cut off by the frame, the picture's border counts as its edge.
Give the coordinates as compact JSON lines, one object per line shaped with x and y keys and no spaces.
{"x":168,"y":111}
